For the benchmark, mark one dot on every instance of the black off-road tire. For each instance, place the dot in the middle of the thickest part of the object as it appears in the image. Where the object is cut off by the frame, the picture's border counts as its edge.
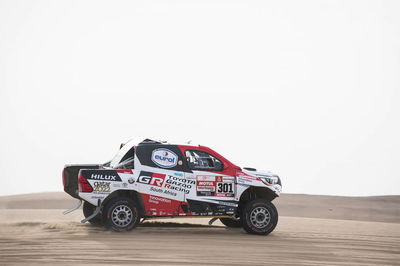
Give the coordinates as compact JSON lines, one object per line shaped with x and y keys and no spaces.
{"x":121,"y":215}
{"x":234,"y":223}
{"x":88,"y":210}
{"x":259,"y":217}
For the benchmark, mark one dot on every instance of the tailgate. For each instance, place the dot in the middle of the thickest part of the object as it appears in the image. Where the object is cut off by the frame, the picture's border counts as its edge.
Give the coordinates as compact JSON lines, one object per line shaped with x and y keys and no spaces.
{"x":70,"y":177}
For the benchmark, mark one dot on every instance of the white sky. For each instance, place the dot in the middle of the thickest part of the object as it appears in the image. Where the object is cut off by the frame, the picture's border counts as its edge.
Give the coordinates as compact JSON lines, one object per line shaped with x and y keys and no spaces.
{"x":306,"y":89}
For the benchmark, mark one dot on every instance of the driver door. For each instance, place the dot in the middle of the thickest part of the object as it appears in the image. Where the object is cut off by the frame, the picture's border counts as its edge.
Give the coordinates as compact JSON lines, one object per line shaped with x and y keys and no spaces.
{"x":211,"y":181}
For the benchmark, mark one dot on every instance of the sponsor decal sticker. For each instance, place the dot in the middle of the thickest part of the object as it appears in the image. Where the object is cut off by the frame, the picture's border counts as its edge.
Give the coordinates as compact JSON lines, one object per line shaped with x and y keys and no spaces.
{"x":164,"y":158}
{"x":156,"y":200}
{"x":152,"y":179}
{"x":158,"y":205}
{"x":225,"y":189}
{"x":206,"y":178}
{"x":179,"y":184}
{"x":101,"y":187}
{"x":102,"y":175}
{"x":97,"y":197}
{"x":215,"y":186}
{"x":166,"y":184}
{"x":249,"y":177}
{"x":206,"y":183}
{"x":205,"y":186}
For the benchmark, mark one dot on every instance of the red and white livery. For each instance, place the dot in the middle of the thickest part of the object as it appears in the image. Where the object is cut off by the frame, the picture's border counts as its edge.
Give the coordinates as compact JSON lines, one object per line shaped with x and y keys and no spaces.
{"x":149,"y":179}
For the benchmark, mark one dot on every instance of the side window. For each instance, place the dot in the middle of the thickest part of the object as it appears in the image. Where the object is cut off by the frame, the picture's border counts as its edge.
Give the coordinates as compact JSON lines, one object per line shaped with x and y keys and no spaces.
{"x":199,"y":160}
{"x":127,"y":162}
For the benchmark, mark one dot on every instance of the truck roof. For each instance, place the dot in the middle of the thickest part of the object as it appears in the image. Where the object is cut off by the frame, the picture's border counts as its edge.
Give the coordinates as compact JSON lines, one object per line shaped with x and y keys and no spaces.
{"x":125,"y":147}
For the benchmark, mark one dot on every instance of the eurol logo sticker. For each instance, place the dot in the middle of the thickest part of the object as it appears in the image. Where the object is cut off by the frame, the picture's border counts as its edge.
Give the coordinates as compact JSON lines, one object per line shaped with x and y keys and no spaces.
{"x":164,"y":158}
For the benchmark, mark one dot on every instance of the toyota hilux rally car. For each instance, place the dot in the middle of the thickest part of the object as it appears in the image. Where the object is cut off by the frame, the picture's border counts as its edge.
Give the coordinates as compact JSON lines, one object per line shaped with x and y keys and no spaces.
{"x":151,"y":179}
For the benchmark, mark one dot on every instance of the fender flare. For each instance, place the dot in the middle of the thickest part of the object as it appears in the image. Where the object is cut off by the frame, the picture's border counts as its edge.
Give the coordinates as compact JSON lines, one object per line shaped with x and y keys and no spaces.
{"x":253,"y":193}
{"x":130,"y":194}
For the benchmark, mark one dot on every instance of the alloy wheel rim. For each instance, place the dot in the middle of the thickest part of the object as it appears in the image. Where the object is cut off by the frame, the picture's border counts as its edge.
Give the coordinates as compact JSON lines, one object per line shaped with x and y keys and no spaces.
{"x":122,"y":215}
{"x":260,"y":217}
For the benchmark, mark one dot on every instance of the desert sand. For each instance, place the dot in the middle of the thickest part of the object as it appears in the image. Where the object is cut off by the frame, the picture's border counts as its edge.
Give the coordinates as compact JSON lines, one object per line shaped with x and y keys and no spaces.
{"x":312,"y":230}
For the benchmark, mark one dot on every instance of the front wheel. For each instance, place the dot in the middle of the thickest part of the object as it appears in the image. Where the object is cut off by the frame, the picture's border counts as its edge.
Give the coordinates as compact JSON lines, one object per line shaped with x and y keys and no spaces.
{"x":259,"y":217}
{"x":121,"y":215}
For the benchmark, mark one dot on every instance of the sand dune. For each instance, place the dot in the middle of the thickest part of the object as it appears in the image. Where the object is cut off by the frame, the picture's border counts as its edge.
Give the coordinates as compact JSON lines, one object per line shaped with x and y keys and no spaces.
{"x":34,"y":232}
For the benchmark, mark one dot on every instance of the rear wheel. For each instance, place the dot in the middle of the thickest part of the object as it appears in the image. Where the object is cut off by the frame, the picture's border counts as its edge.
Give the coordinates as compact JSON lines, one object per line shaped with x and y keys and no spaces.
{"x":88,"y":210}
{"x":259,"y":217}
{"x":121,"y":214}
{"x":231,"y":222}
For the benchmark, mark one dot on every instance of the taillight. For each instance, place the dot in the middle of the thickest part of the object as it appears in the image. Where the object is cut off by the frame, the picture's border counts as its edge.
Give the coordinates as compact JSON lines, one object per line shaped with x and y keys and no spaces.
{"x":84,"y":185}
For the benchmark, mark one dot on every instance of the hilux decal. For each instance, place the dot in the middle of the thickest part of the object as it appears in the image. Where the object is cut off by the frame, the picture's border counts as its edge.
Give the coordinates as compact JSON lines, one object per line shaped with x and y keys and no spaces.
{"x":102,"y":175}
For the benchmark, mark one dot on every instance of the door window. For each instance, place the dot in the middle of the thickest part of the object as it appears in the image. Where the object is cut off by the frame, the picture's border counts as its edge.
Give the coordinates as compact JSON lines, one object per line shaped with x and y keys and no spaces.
{"x":199,"y":160}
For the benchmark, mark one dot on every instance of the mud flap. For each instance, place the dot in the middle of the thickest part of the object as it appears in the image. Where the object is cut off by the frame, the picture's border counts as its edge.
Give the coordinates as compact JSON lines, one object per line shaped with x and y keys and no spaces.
{"x":212,"y":220}
{"x":96,"y":211}
{"x":74,"y":208}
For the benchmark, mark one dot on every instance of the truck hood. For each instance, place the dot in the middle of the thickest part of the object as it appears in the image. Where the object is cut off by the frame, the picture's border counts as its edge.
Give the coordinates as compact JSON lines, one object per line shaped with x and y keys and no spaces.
{"x":256,"y":172}
{"x":271,"y":178}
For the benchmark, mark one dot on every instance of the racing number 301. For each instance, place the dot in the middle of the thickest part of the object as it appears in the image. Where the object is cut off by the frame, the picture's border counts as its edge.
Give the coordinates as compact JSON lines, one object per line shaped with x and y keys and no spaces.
{"x":225,"y":187}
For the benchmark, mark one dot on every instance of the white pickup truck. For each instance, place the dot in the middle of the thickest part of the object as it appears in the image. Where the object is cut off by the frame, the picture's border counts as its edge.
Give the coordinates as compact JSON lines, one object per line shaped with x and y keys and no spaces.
{"x":149,"y":179}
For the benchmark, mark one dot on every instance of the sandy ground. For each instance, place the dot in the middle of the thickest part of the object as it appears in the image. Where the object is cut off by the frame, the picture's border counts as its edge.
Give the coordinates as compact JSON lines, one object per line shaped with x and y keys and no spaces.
{"x":375,"y":209}
{"x":45,"y":236}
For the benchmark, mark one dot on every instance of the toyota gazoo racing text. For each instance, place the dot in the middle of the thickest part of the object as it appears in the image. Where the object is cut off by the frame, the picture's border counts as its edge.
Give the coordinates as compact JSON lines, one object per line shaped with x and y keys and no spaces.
{"x":150,"y":179}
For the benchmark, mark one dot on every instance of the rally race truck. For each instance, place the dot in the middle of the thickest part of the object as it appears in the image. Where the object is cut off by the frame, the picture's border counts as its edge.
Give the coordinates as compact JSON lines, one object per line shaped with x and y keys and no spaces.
{"x":152,"y":179}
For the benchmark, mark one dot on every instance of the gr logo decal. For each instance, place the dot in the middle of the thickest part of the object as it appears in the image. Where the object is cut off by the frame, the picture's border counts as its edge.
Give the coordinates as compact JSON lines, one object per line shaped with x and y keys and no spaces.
{"x":152,"y":179}
{"x":164,"y":158}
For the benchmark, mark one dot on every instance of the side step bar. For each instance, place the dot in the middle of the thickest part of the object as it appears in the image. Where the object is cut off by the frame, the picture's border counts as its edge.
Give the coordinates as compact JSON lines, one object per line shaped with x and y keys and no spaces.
{"x":74,"y":208}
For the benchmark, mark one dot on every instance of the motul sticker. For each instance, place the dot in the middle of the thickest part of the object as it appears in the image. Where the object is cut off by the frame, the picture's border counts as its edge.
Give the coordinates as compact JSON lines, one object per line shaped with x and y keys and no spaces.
{"x":205,"y":186}
{"x":164,"y":158}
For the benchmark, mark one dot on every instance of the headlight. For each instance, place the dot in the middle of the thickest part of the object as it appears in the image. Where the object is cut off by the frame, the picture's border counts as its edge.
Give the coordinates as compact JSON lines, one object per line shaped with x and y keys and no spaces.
{"x":270,"y":180}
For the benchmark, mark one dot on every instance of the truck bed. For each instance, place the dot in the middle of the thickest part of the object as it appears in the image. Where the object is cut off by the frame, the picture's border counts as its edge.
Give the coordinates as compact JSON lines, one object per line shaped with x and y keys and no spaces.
{"x":70,"y":177}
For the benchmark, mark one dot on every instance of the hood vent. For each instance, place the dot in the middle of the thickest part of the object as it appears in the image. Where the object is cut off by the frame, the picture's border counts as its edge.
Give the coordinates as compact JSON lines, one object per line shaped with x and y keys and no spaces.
{"x":249,"y":169}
